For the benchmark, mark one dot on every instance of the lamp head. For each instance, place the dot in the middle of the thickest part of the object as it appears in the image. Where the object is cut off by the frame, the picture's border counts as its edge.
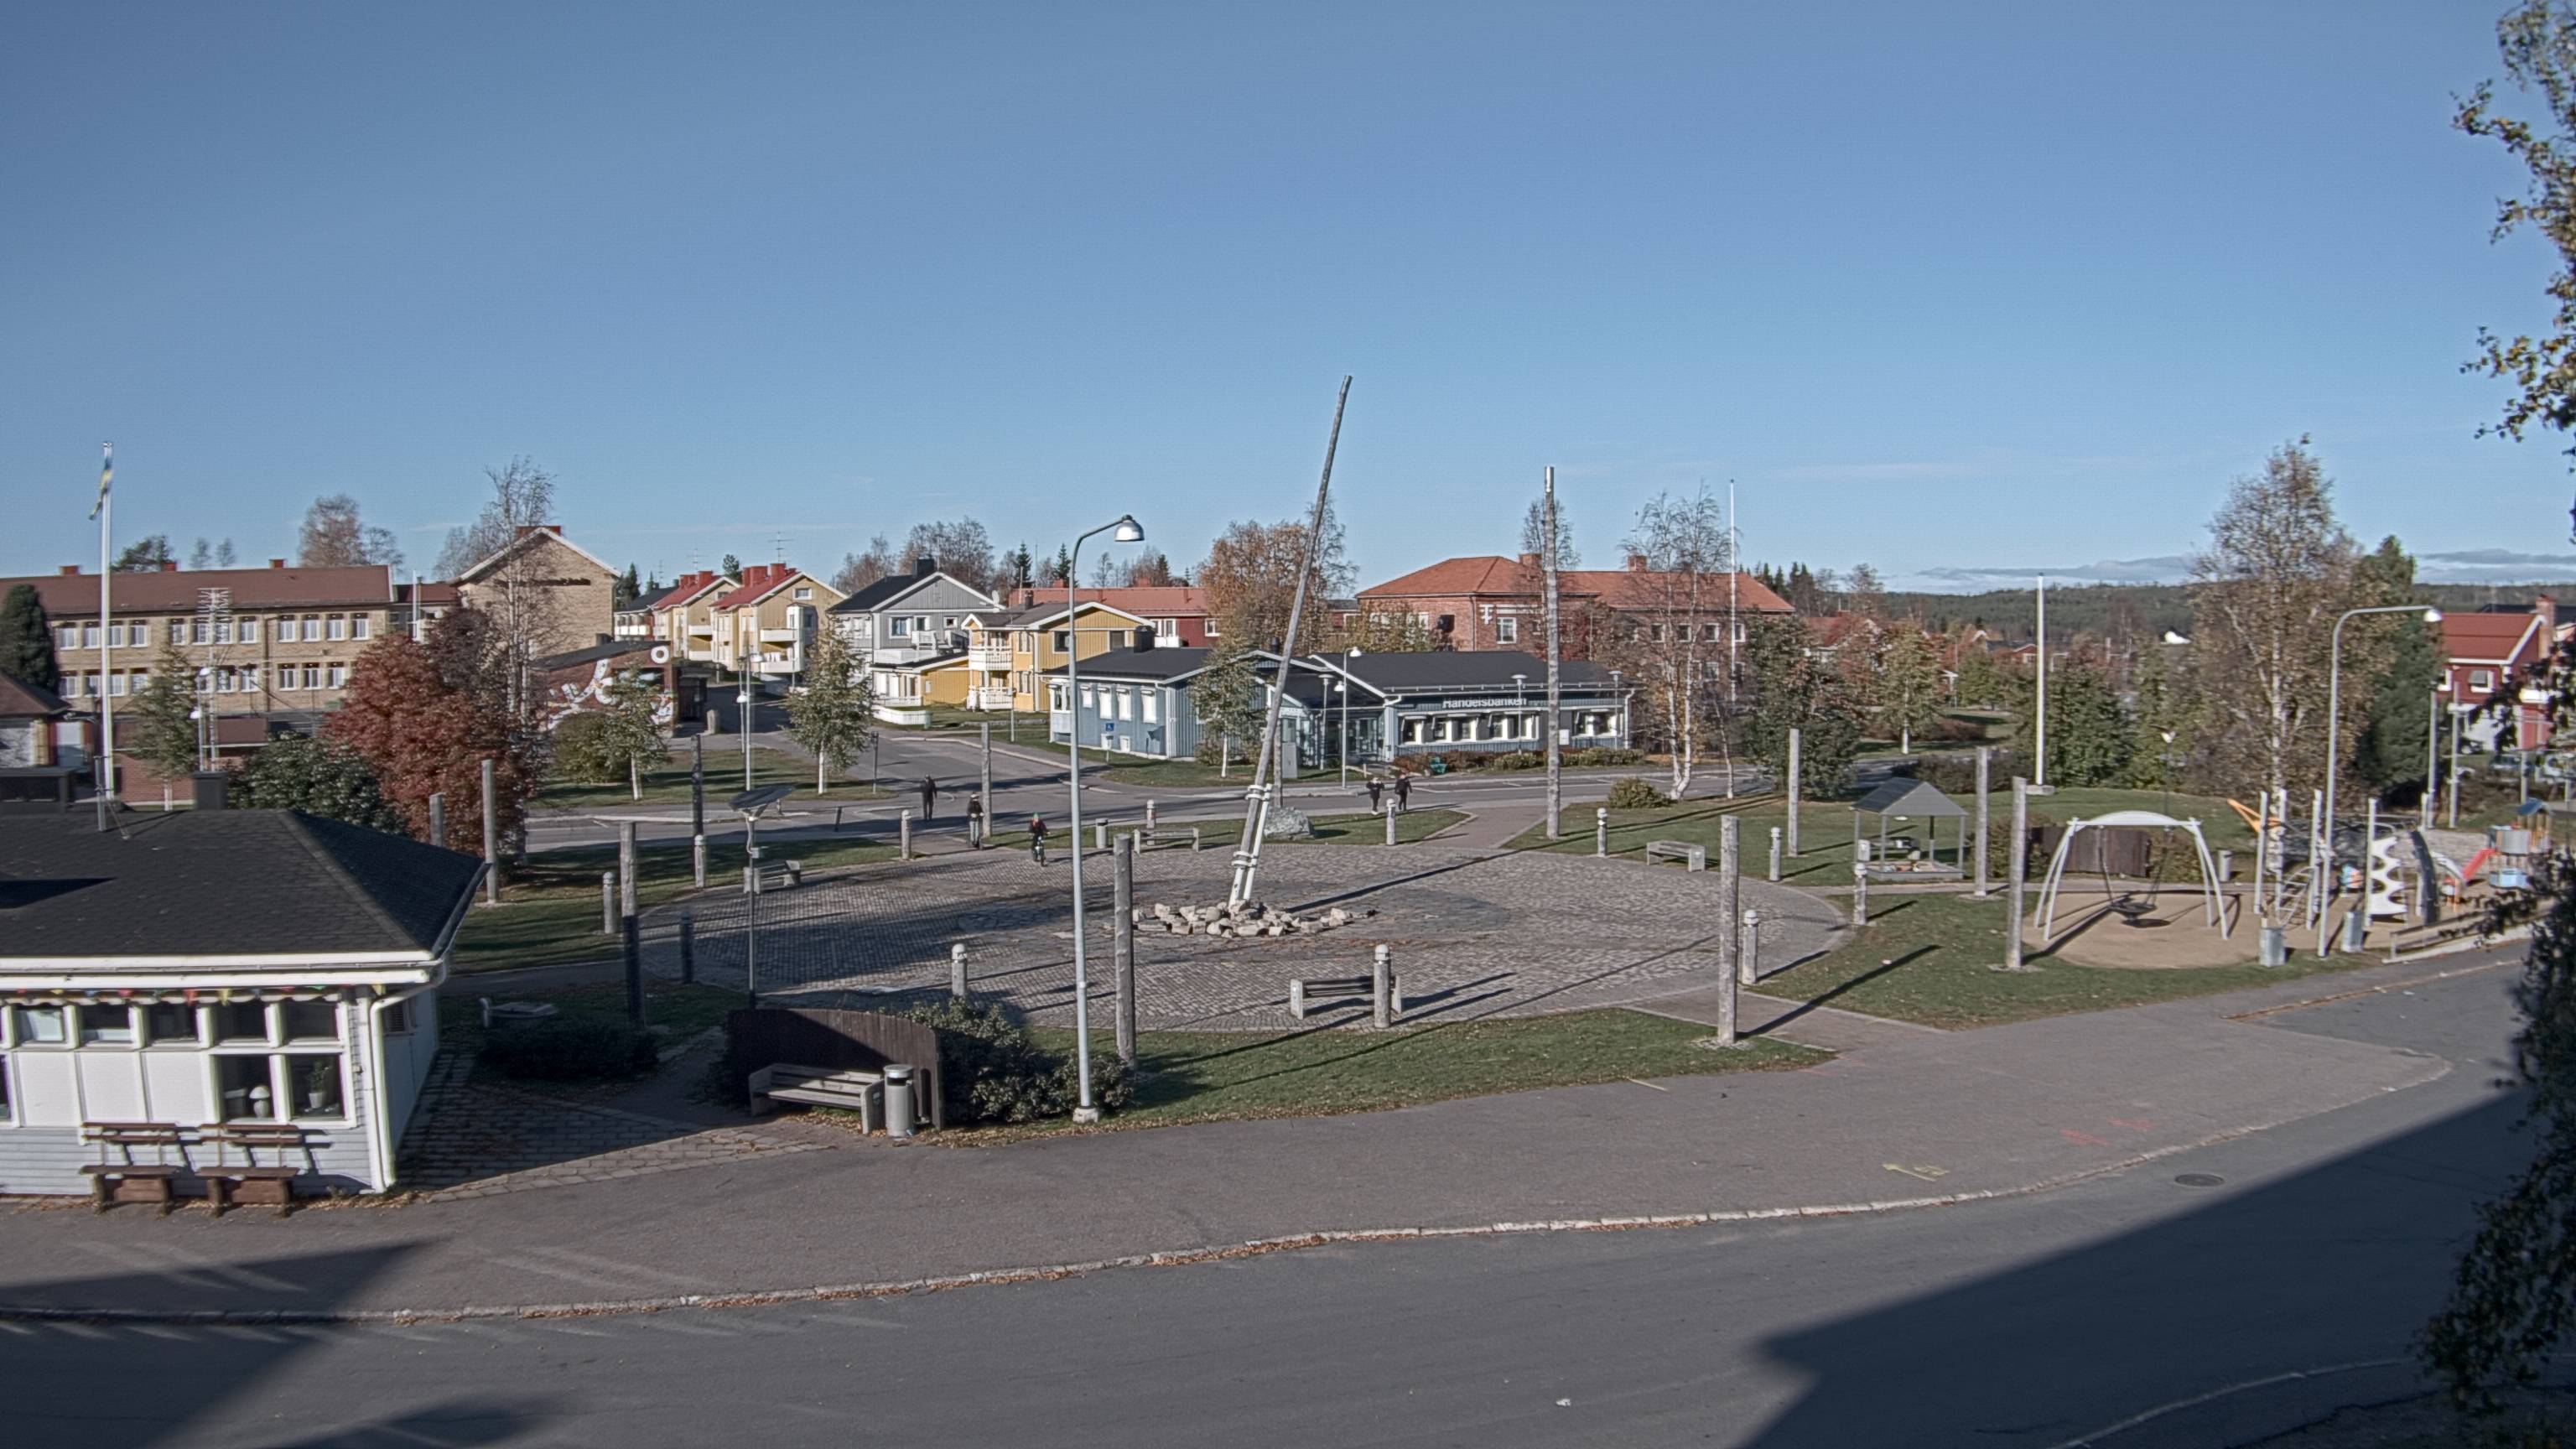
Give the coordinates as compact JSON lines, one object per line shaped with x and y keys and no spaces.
{"x":1128,"y":530}
{"x":2432,"y":616}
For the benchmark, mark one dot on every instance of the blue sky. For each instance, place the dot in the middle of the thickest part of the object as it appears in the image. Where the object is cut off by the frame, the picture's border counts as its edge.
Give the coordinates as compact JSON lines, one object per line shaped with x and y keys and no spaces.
{"x":1946,"y":289}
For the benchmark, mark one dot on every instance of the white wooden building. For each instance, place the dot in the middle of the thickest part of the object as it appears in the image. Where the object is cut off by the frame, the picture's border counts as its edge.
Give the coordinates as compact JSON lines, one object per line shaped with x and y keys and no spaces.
{"x":218,"y":966}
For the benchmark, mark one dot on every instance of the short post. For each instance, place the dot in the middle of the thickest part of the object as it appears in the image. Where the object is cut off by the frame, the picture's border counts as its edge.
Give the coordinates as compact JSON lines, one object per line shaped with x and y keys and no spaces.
{"x":1390,"y":820}
{"x":957,"y":959}
{"x":626,"y":868}
{"x":688,"y":945}
{"x":2017,"y":872}
{"x":438,"y":819}
{"x":608,"y":903}
{"x":698,"y":788}
{"x":1730,"y":922}
{"x":1752,"y":947}
{"x":1601,"y":830}
{"x":1775,"y":853}
{"x":1382,"y":985}
{"x":1860,"y":883}
{"x":698,"y":859}
{"x":903,"y":829}
{"x":1149,"y":822}
{"x":1985,"y":759}
{"x":986,"y":729}
{"x":1194,"y":840}
{"x":1123,"y":901}
{"x":2226,"y":865}
{"x":1793,"y":794}
{"x":491,"y":839}
{"x":1099,"y":836}
{"x":634,"y":969}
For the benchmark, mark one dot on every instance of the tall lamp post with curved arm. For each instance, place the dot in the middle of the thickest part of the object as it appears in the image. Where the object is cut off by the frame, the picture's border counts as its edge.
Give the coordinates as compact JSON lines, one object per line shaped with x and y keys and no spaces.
{"x":2334,"y":747}
{"x":1125,"y":530}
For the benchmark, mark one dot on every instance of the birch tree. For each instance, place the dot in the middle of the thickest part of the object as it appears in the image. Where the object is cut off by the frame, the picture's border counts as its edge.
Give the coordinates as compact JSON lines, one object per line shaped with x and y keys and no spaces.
{"x":1909,"y":685}
{"x":2266,"y":590}
{"x":1671,"y":606}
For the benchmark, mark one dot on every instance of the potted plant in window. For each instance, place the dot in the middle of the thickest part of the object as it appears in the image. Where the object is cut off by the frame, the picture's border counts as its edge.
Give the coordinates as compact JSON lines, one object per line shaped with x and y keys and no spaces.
{"x":321,"y":1088}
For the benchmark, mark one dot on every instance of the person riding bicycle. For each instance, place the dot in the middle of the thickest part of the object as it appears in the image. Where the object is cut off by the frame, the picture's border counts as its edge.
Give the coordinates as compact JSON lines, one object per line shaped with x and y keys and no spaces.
{"x":1038,"y":838}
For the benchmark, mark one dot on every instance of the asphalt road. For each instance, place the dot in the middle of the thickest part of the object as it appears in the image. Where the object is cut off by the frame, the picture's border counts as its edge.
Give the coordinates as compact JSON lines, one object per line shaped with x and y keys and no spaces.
{"x":2193,"y":1315}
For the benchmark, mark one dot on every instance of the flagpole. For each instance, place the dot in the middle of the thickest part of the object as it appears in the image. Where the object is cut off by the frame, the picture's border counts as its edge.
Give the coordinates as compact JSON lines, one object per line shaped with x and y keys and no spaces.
{"x":106,"y":650}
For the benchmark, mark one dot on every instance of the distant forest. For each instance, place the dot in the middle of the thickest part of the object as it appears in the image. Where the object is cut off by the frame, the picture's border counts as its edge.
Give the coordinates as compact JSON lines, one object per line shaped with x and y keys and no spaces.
{"x":2110,"y":610}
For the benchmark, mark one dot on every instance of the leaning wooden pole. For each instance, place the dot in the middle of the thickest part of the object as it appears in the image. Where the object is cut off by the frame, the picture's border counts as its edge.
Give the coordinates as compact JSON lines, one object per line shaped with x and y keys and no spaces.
{"x":1247,"y":852}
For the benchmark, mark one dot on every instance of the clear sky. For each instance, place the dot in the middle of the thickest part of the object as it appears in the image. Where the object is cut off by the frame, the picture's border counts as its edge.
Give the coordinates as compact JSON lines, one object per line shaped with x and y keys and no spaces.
{"x":1943,"y":288}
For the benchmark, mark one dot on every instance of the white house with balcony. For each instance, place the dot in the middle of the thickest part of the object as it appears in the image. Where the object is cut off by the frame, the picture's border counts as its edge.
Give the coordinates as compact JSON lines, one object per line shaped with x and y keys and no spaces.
{"x":912,"y":618}
{"x":181,"y":984}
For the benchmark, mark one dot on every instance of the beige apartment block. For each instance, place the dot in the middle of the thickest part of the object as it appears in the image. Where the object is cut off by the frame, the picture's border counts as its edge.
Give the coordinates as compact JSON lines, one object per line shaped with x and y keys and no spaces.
{"x":563,"y":594}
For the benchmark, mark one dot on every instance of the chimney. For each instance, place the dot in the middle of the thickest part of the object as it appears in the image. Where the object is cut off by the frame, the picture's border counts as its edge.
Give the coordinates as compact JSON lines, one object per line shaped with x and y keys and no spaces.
{"x":1144,"y":637}
{"x":1636,"y":563}
{"x":924,"y":566}
{"x":169,"y":565}
{"x":210,"y":787}
{"x":554,"y":528}
{"x":1531,"y":561}
{"x":71,"y":571}
{"x":277,"y":563}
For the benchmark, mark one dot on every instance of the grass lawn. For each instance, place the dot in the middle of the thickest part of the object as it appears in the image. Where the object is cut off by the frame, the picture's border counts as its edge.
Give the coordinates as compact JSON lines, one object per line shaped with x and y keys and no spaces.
{"x":1942,"y":945}
{"x":1217,"y":1076}
{"x":959,"y":717}
{"x":685,"y":1009}
{"x":1825,"y":827}
{"x":669,"y":785}
{"x":549,"y":914}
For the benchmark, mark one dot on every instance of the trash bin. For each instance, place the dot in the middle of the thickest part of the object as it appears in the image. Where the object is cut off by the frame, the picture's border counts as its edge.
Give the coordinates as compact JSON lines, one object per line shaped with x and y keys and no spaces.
{"x":2276,"y":946}
{"x":898,"y":1101}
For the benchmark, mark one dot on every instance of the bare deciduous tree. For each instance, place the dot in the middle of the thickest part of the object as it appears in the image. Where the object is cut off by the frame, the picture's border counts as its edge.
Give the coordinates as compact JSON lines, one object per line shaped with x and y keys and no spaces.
{"x":1675,"y":612}
{"x":2266,"y":590}
{"x":1534,"y":534}
{"x":961,"y":547}
{"x":858,"y":570}
{"x":334,"y":536}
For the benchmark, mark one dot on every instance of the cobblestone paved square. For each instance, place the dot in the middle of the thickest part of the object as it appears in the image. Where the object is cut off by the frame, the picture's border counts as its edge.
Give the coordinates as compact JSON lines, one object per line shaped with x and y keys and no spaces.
{"x":1474,"y":933}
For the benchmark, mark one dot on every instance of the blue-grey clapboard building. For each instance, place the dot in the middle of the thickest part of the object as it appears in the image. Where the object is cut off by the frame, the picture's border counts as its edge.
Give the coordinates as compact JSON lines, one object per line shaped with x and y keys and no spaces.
{"x":1377,"y":706}
{"x":215,"y":966}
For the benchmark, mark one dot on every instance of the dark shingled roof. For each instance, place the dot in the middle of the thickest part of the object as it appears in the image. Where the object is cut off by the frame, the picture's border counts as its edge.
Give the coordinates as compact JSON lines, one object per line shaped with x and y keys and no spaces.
{"x":21,"y":700}
{"x":1145,"y":664}
{"x":1464,"y":669}
{"x":221,"y":883}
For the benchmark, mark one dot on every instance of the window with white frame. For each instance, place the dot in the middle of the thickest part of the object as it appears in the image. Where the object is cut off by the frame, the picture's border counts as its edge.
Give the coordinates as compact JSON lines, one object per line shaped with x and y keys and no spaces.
{"x":89,"y":636}
{"x":802,"y":592}
{"x":2482,"y":680}
{"x":286,"y":630}
{"x":1411,"y":730}
{"x":201,"y":631}
{"x":358,"y":626}
{"x":116,"y":683}
{"x":105,"y":1025}
{"x":338,"y":676}
{"x":898,"y":627}
{"x":1507,"y":630}
{"x":1152,"y":698}
{"x":68,"y":637}
{"x":1055,"y":696}
{"x":245,"y":631}
{"x":40,"y":1026}
{"x":71,"y":686}
{"x":337,"y":626}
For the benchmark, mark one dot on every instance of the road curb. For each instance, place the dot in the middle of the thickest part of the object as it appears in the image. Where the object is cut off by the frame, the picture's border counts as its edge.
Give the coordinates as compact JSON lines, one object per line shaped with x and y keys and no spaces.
{"x":1172,"y":1258}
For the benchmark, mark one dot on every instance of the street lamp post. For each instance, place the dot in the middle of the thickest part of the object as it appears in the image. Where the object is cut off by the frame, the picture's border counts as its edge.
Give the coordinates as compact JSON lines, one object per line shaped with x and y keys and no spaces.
{"x":1124,"y":530}
{"x":1343,"y":688}
{"x":2433,"y":747}
{"x":2334,"y":723}
{"x":749,"y":663}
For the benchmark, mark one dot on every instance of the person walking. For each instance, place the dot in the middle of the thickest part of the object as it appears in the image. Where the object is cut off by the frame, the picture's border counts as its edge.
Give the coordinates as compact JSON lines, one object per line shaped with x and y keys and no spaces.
{"x":975,"y":821}
{"x":1377,"y":794}
{"x":1403,"y":792}
{"x":1037,"y":838}
{"x":929,"y":797}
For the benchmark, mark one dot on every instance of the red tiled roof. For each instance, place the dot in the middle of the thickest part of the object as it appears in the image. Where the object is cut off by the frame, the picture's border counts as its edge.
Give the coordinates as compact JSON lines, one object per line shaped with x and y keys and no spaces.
{"x":1619,"y":588}
{"x":174,"y":591}
{"x":759,"y":581}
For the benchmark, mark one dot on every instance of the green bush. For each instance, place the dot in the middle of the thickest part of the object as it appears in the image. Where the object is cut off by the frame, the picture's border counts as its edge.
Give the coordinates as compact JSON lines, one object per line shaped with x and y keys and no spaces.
{"x":581,"y":751}
{"x":571,"y":1049}
{"x":992,"y":1070}
{"x":1518,"y":760}
{"x":1631,"y":792}
{"x":1602,"y":755}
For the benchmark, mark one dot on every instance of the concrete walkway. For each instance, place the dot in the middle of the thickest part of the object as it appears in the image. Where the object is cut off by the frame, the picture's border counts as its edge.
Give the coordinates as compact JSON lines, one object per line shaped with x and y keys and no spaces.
{"x":1917,"y":1118}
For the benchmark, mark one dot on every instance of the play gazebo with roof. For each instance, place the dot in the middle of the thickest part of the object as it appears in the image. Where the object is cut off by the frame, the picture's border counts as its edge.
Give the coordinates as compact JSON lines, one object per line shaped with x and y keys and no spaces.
{"x":1903,"y":799}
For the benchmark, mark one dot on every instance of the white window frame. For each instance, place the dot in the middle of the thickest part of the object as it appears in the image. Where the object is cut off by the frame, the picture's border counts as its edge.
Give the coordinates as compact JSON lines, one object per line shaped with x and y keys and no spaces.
{"x":358,"y":625}
{"x":1507,"y":630}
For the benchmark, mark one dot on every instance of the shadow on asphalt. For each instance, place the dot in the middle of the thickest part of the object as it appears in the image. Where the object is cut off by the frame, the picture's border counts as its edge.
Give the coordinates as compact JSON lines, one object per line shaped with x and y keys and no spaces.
{"x":2337,"y":1265}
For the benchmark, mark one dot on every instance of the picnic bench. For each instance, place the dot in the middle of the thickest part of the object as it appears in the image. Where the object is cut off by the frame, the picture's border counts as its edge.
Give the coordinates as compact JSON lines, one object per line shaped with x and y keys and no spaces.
{"x":845,"y":1088}
{"x":117,"y":1177}
{"x":775,"y":875}
{"x":1696,"y":855}
{"x":1303,"y":992}
{"x":249,"y":1181}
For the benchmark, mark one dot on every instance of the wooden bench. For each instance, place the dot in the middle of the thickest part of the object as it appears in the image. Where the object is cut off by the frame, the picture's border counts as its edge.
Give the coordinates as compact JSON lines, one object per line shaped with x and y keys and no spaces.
{"x":780,"y":874}
{"x":248,"y":1181}
{"x":1302,"y":993}
{"x":116,"y":1177}
{"x":848,"y":1089}
{"x":1683,"y":850}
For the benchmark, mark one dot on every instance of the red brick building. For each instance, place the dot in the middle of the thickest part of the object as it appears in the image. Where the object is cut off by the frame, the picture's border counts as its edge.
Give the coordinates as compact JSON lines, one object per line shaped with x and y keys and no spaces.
{"x":1491,"y":602}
